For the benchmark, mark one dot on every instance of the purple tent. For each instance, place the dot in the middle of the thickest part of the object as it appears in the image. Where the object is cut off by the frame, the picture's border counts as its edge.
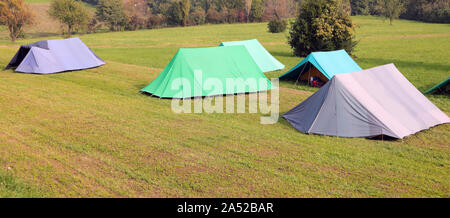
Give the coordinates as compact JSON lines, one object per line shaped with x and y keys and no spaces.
{"x":53,"y":56}
{"x":373,"y":102}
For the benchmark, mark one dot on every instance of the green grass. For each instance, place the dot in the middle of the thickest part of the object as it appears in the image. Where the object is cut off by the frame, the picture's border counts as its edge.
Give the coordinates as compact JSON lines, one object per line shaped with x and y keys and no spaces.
{"x":11,"y":188}
{"x":91,"y":133}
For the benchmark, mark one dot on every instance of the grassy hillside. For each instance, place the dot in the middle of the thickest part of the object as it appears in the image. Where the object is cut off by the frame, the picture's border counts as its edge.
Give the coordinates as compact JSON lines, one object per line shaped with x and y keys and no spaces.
{"x":91,"y":133}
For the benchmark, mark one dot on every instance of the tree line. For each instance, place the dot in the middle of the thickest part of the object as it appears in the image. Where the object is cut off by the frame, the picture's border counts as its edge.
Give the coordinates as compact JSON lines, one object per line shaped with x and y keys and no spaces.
{"x":437,"y":11}
{"x":118,"y":15}
{"x":148,"y":14}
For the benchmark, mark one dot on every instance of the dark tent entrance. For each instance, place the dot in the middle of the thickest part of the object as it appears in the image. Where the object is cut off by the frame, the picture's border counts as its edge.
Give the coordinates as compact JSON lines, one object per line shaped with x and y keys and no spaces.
{"x":319,"y":67}
{"x":308,"y":74}
{"x":21,"y":54}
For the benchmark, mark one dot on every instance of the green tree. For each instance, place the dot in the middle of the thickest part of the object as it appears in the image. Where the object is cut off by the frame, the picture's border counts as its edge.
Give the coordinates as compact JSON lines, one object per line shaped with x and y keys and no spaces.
{"x":198,"y":16}
{"x":230,"y":4}
{"x":257,"y":10}
{"x":186,"y":8}
{"x":15,"y":14}
{"x":346,"y":6}
{"x":321,"y":25}
{"x":277,"y":25}
{"x":360,"y":7}
{"x":390,"y":9}
{"x":174,"y":14}
{"x":206,"y":4}
{"x":112,"y":13}
{"x":427,"y":10}
{"x":71,"y":13}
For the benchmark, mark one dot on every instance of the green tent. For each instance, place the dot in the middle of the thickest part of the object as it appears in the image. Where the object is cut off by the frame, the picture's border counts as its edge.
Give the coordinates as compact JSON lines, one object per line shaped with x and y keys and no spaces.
{"x":219,"y":66}
{"x":443,"y":87}
{"x":262,"y":57}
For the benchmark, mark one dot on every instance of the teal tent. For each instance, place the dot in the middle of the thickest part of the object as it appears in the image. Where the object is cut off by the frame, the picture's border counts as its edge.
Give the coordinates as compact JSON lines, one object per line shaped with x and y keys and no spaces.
{"x":200,"y":72}
{"x":262,"y":57}
{"x":441,"y":88}
{"x":323,"y":65}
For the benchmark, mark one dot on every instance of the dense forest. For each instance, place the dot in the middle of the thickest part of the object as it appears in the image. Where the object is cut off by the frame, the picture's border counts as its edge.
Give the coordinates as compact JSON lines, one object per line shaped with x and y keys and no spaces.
{"x":423,"y":10}
{"x":161,"y":13}
{"x":157,"y":13}
{"x":118,"y":15}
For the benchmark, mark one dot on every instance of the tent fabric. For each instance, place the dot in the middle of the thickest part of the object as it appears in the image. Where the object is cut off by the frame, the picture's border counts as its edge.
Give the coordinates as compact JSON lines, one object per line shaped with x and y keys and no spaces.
{"x":217,"y":64}
{"x":54,"y":56}
{"x":442,"y":87}
{"x":329,"y":63}
{"x":373,"y":102}
{"x":260,"y":55}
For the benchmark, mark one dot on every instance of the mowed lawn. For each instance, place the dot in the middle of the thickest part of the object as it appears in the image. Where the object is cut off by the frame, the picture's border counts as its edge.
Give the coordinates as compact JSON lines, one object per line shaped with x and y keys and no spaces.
{"x":92,"y":134}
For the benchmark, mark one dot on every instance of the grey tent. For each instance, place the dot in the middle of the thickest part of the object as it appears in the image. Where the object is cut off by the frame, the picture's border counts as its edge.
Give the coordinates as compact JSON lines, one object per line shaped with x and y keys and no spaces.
{"x":53,"y":56}
{"x":374,"y":102}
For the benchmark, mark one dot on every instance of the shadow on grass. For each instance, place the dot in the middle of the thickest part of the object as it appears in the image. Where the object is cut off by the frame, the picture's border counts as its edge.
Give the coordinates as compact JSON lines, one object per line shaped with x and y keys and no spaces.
{"x":283,"y":54}
{"x":400,"y":63}
{"x":410,"y":64}
{"x":42,"y":35}
{"x":140,"y":86}
{"x":284,"y":122}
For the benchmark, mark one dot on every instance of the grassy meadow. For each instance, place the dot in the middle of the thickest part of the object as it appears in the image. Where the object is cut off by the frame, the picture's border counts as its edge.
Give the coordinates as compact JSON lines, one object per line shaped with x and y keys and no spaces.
{"x":92,"y":134}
